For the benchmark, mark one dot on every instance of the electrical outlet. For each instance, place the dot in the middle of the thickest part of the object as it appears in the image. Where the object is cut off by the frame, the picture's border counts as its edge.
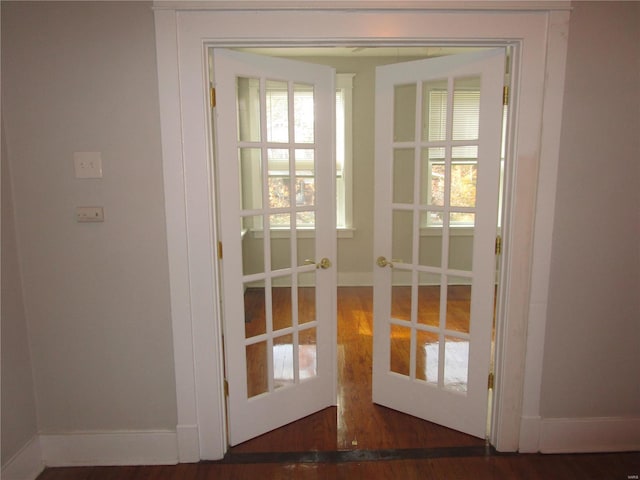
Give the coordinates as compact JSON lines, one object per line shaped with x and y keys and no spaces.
{"x":88,"y":164}
{"x":89,"y":214}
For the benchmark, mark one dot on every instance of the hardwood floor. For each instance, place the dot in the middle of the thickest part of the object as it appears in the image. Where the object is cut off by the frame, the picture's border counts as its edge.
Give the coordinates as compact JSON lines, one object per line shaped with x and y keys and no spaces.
{"x":357,"y":423}
{"x":622,"y":466}
{"x":360,"y":440}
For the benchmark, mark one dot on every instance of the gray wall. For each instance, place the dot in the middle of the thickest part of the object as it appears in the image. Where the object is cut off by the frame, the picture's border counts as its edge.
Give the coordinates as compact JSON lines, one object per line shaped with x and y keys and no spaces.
{"x":592,"y":354}
{"x":19,"y":421}
{"x":82,"y":77}
{"x":95,"y":311}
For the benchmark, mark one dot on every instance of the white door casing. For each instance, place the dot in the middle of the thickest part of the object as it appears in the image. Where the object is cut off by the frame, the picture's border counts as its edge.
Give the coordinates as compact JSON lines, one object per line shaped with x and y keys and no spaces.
{"x":443,"y":377}
{"x":280,"y":363}
{"x":537,"y":32}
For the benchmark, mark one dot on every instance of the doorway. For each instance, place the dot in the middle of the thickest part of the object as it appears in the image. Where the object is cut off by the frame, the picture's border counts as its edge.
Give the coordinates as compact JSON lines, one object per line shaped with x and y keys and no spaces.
{"x":182,"y":35}
{"x":456,"y":290}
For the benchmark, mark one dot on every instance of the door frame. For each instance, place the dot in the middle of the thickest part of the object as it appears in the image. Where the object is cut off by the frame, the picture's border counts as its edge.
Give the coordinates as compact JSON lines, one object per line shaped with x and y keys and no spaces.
{"x":185,"y":30}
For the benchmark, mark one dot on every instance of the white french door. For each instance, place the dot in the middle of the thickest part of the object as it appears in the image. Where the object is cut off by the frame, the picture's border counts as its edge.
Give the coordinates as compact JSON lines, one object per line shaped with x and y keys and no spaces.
{"x":276,"y":187}
{"x":437,"y":169}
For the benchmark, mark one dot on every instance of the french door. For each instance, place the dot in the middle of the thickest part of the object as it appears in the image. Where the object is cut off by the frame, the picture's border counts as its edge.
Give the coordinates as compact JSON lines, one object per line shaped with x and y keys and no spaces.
{"x":437,"y":170}
{"x":276,"y":183}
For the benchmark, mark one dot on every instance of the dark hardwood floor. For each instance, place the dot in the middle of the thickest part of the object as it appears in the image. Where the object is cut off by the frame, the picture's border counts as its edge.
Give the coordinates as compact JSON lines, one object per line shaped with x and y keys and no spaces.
{"x":360,"y":440}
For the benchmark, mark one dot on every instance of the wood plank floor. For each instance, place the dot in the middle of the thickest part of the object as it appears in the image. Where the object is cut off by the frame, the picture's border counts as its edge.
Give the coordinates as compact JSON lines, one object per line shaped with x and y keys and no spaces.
{"x":356,"y":423}
{"x":622,"y":466}
{"x":360,"y":440}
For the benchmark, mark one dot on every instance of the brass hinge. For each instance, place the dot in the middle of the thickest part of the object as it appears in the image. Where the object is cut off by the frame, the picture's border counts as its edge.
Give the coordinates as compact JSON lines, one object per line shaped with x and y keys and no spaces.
{"x":505,"y":95}
{"x":212,"y":95}
{"x":220,"y":250}
{"x":498,"y":245}
{"x":226,"y":388}
{"x":490,"y":381}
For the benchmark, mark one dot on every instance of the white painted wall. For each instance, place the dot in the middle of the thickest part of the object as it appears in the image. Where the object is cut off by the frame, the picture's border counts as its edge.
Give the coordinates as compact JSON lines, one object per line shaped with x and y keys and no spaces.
{"x":591,"y":354}
{"x":19,"y":422}
{"x":81,"y":76}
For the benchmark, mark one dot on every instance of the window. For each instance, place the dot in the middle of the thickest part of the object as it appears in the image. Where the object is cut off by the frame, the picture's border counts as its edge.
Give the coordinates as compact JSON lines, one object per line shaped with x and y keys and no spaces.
{"x":464,"y":159}
{"x":278,"y":159}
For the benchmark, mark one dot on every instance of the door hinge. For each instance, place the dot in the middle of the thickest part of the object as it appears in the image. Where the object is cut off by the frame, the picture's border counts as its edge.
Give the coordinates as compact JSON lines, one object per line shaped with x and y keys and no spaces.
{"x":212,"y":96}
{"x":490,"y":381}
{"x":498,"y":245}
{"x":505,"y":95}
{"x":220,"y":250}
{"x":226,"y":388}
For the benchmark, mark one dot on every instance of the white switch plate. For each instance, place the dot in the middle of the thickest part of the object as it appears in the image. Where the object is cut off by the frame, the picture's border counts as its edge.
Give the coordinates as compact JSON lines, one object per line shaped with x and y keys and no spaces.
{"x":88,"y":164}
{"x":89,"y":214}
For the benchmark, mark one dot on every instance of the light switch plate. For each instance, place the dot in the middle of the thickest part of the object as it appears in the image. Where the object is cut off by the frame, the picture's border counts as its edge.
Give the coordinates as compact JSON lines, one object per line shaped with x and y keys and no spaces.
{"x":89,"y":214}
{"x":88,"y":164}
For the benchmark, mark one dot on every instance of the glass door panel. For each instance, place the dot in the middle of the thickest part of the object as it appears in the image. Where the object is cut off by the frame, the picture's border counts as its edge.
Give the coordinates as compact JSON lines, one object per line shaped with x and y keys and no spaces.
{"x":434,"y":286}
{"x":276,"y":170}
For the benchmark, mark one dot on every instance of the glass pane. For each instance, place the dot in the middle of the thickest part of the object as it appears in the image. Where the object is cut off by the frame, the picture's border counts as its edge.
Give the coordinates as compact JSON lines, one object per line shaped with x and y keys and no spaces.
{"x":305,"y":181}
{"x":279,"y":178}
{"x":401,"y":295}
{"x":306,"y":220}
{"x":461,"y":245}
{"x":306,"y":297}
{"x":283,"y":361}
{"x":463,"y":184}
{"x":456,"y":364}
{"x":307,"y":353}
{"x":248,"y":91}
{"x":281,"y":304}
{"x":458,"y":304}
{"x":252,"y":245}
{"x":462,"y":219}
{"x":255,"y":310}
{"x":257,"y":371}
{"x":434,"y":110}
{"x":403,"y":175}
{"x":430,"y":247}
{"x":404,"y":113}
{"x":429,"y":299}
{"x":466,"y":108}
{"x":303,"y":112}
{"x":280,"y":241}
{"x":400,"y":349}
{"x":402,"y":236}
{"x":250,"y":178}
{"x":433,"y":176}
{"x":427,"y":350}
{"x":277,"y":110}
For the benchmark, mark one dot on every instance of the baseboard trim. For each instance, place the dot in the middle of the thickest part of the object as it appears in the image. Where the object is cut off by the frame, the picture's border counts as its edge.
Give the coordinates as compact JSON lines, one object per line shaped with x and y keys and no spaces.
{"x":529,"y":434}
{"x":26,"y":464}
{"x":355,"y":279}
{"x":188,"y":443}
{"x":584,"y":435}
{"x":109,"y":448}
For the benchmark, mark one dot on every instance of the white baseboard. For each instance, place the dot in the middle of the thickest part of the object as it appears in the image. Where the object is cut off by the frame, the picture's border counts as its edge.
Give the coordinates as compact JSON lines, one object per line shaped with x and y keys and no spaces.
{"x":581,"y":435}
{"x":355,"y":279}
{"x":110,"y":448}
{"x":188,"y":444}
{"x":529,"y":435}
{"x":26,"y":464}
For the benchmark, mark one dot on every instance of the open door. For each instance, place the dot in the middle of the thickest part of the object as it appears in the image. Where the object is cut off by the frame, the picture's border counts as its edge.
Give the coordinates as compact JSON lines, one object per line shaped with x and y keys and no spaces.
{"x":275,"y":170}
{"x":437,"y":170}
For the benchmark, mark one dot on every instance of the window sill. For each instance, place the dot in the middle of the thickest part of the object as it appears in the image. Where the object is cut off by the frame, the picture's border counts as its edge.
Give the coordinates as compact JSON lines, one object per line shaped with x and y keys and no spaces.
{"x":453,"y":231}
{"x":342,"y":232}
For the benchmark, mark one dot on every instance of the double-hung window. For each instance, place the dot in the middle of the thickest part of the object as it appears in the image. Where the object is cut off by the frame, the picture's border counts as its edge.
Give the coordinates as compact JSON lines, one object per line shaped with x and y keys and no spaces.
{"x":278,"y":162}
{"x":464,"y":159}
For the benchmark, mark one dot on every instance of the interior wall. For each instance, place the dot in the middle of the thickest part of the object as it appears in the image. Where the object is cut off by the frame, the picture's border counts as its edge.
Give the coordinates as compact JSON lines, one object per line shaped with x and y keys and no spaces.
{"x":81,"y":76}
{"x":591,"y":355}
{"x":19,"y":420}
